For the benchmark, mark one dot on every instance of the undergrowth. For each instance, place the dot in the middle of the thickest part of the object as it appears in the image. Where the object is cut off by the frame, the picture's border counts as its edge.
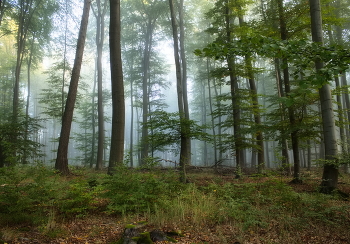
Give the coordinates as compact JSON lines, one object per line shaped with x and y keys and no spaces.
{"x":38,"y":196}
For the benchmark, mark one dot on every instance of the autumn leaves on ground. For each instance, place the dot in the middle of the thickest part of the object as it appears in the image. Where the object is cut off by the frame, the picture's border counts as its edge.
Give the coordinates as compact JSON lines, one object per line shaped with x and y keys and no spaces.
{"x":39,"y":206}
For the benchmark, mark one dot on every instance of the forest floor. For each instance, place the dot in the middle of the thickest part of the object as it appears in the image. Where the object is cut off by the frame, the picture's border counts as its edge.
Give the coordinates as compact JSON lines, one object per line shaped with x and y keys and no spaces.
{"x":99,"y":227}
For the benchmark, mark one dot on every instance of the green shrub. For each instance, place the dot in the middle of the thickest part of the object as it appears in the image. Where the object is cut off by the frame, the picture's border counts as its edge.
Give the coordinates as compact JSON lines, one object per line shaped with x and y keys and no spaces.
{"x":24,"y":192}
{"x":77,"y":199}
{"x":30,"y":193}
{"x":130,"y":190}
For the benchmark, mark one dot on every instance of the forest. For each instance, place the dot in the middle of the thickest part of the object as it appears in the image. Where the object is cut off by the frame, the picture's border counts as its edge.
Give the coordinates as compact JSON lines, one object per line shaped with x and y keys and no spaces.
{"x":152,"y":121}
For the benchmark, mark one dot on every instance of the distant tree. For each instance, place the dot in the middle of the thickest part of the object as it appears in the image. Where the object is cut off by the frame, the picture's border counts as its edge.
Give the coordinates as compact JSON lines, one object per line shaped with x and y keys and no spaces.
{"x":151,"y":11}
{"x":33,"y":18}
{"x":99,"y":13}
{"x":250,"y":74}
{"x":287,"y":87}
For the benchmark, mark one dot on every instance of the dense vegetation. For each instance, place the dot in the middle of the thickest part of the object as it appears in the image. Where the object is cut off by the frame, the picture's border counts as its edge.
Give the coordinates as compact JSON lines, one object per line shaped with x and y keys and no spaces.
{"x":213,"y":208}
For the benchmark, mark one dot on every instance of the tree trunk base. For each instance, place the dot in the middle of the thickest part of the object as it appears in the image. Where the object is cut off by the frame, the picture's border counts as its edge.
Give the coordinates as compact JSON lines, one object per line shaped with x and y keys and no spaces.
{"x":334,"y":191}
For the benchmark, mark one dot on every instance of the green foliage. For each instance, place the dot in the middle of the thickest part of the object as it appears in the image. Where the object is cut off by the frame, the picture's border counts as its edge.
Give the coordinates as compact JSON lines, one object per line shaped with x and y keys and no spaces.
{"x":256,"y":205}
{"x":166,"y":130}
{"x":25,"y":193}
{"x":17,"y":140}
{"x":129,"y":190}
{"x":36,"y":195}
{"x":53,"y":97}
{"x":30,"y":193}
{"x":78,"y":199}
{"x":300,"y":53}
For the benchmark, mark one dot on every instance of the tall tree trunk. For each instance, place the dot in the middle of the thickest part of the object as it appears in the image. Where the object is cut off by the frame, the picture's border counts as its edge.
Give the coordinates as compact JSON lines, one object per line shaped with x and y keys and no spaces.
{"x":29,"y":66}
{"x":330,"y":170}
{"x":21,"y":42}
{"x":131,"y":123}
{"x":145,"y":88}
{"x":345,"y":96}
{"x":180,"y":98}
{"x":212,"y":113}
{"x":118,"y":102}
{"x":93,"y":120}
{"x":99,"y":15}
{"x":291,"y":110}
{"x":266,"y":147}
{"x":64,"y":57}
{"x":218,"y":105}
{"x":283,"y":141}
{"x":187,"y":144}
{"x":204,"y":121}
{"x":339,"y":102}
{"x":255,"y":102}
{"x":238,"y":140}
{"x":62,"y":152}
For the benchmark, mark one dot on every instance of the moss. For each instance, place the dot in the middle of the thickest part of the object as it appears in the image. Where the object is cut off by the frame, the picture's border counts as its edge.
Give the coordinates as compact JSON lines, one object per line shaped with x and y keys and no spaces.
{"x":171,"y":239}
{"x":130,"y":226}
{"x":144,"y":222}
{"x":145,"y":238}
{"x":120,"y":241}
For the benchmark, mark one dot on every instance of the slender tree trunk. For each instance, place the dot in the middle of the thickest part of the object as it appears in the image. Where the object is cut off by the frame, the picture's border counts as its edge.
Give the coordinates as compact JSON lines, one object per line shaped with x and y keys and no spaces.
{"x":283,"y":141}
{"x":211,"y":112}
{"x":29,"y":66}
{"x":255,"y":102}
{"x":238,"y":140}
{"x":93,"y":121}
{"x":266,"y":142}
{"x":218,"y":105}
{"x":346,"y":102}
{"x":291,"y":112}
{"x":330,"y":170}
{"x":131,"y":123}
{"x":64,"y":58}
{"x":62,"y":152}
{"x":145,"y":88}
{"x":99,"y":15}
{"x":204,"y":122}
{"x":345,"y":96}
{"x":187,"y":139}
{"x":21,"y":40}
{"x":118,"y":102}
{"x":180,"y":98}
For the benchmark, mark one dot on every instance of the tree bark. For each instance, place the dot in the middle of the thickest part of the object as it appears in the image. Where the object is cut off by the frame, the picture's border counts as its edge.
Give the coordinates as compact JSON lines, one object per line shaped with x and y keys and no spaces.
{"x":238,"y":140}
{"x":187,"y":143}
{"x":254,"y":96}
{"x":62,"y":152}
{"x":29,"y":66}
{"x":93,"y":120}
{"x":99,"y":15}
{"x":118,"y":102}
{"x":283,"y":141}
{"x":330,"y":169}
{"x":291,"y":110}
{"x":145,"y":88}
{"x":184,"y":159}
{"x":212,"y":119}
